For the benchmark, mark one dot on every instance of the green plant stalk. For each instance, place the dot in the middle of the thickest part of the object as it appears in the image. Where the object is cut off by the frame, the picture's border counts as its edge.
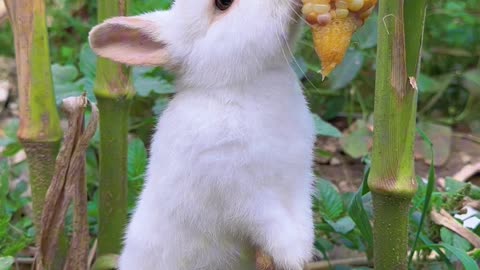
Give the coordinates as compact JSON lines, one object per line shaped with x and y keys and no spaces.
{"x":39,"y":131}
{"x":392,"y":176}
{"x":114,"y":92}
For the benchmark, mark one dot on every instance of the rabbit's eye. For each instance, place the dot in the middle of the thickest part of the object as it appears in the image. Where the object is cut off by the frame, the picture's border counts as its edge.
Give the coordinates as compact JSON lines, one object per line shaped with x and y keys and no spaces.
{"x":223,"y":4}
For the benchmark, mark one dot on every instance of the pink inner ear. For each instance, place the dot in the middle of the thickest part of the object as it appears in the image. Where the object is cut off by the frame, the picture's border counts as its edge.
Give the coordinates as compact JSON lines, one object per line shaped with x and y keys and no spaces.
{"x":128,"y":40}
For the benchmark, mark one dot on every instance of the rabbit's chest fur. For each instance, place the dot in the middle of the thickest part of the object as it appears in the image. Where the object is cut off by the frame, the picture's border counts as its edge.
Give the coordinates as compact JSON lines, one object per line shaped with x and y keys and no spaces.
{"x":221,"y":159}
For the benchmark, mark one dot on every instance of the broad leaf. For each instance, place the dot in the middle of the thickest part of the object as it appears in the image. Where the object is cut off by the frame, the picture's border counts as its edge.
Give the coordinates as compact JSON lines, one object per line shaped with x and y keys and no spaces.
{"x":366,"y":36}
{"x":428,"y":193}
{"x":6,"y":262}
{"x":454,"y":239}
{"x":330,"y":202}
{"x":357,"y":212}
{"x":441,"y":138}
{"x":467,"y":262}
{"x":323,"y":128}
{"x":348,"y":70}
{"x":137,"y":159}
{"x":356,"y":144}
{"x":343,"y":226}
{"x":146,"y":82}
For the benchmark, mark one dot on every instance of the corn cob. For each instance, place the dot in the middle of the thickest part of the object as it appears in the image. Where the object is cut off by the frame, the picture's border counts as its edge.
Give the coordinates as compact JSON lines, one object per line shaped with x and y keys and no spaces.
{"x":333,"y":24}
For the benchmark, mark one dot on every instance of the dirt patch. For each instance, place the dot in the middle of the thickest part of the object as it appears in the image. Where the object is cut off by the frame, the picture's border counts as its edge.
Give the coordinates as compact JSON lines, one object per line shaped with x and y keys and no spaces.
{"x":347,"y":173}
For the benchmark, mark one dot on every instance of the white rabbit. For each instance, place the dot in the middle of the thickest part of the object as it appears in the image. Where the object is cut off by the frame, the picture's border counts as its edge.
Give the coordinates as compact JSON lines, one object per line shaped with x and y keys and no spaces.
{"x":231,"y":159}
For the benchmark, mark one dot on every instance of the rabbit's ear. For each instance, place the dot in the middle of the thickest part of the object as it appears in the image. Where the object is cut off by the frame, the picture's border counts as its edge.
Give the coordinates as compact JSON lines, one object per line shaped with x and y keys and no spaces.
{"x":129,"y":40}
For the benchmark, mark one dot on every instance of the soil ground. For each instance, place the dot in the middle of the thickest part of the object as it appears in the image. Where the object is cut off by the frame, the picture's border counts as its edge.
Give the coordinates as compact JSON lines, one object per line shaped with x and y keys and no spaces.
{"x":347,"y":174}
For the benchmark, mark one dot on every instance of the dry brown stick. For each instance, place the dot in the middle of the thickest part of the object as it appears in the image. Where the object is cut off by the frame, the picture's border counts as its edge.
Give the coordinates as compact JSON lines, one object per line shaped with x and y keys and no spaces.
{"x":78,"y":252}
{"x":466,"y":172}
{"x":68,"y":184}
{"x":92,"y":253}
{"x":325,"y":265}
{"x":443,"y":218}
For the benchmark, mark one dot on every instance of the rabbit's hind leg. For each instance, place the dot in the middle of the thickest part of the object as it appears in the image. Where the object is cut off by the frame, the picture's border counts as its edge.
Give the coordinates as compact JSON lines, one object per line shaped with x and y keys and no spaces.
{"x":286,"y":238}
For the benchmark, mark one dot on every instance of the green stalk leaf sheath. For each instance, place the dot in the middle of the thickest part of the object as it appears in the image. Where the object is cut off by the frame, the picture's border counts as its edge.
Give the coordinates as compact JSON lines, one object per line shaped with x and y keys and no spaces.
{"x":40,"y":131}
{"x":392,"y":176}
{"x":114,"y":92}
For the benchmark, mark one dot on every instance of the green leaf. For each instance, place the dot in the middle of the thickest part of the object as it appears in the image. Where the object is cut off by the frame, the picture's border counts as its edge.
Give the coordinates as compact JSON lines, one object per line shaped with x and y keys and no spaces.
{"x":330,"y":202}
{"x":160,"y":105}
{"x":11,"y":149}
{"x":453,"y":186}
{"x":106,"y":262}
{"x":88,"y":62}
{"x":454,"y":239}
{"x":356,"y":143}
{"x":431,"y":245}
{"x":145,"y":84}
{"x":441,"y":138}
{"x":467,"y":262}
{"x":473,"y":76}
{"x":323,"y":128}
{"x":137,"y":163}
{"x":343,"y":226}
{"x":137,"y":159}
{"x":88,"y":67}
{"x":357,"y":212}
{"x":426,"y":84}
{"x":348,"y":70}
{"x":324,"y":246}
{"x":366,"y":36}
{"x":428,"y":195}
{"x":63,"y":81}
{"x":6,"y":262}
{"x":11,"y":128}
{"x":64,"y":74}
{"x":4,"y":185}
{"x":300,"y":67}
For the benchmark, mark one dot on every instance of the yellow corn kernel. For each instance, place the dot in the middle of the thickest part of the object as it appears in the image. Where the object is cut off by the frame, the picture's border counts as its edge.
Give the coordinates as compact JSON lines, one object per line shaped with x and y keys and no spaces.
{"x":355,"y":5}
{"x":333,"y":24}
{"x":321,"y":9}
{"x":367,"y":5}
{"x":341,"y":13}
{"x":341,"y":4}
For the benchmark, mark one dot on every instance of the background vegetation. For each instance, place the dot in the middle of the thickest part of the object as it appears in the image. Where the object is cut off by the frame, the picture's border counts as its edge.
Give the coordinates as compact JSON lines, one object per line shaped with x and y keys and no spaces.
{"x":449,"y":92}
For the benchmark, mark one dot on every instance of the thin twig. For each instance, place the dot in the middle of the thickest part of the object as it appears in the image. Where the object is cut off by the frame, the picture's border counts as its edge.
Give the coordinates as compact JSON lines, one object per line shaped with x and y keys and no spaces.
{"x":68,"y":185}
{"x":469,"y":137}
{"x":325,"y":265}
{"x":443,"y":218}
{"x":24,"y":260}
{"x":92,"y":253}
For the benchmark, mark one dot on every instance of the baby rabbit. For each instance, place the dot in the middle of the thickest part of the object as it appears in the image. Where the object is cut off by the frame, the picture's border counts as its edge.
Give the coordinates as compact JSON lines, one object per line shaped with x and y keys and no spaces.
{"x":230,"y":166}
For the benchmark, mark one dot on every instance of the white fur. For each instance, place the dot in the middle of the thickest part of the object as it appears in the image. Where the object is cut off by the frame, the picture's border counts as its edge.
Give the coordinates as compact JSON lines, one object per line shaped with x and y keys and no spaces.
{"x":230,"y":166}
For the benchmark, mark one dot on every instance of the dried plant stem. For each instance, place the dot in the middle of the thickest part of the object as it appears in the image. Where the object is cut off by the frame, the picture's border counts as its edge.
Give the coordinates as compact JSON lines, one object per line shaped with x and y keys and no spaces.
{"x":69,"y":185}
